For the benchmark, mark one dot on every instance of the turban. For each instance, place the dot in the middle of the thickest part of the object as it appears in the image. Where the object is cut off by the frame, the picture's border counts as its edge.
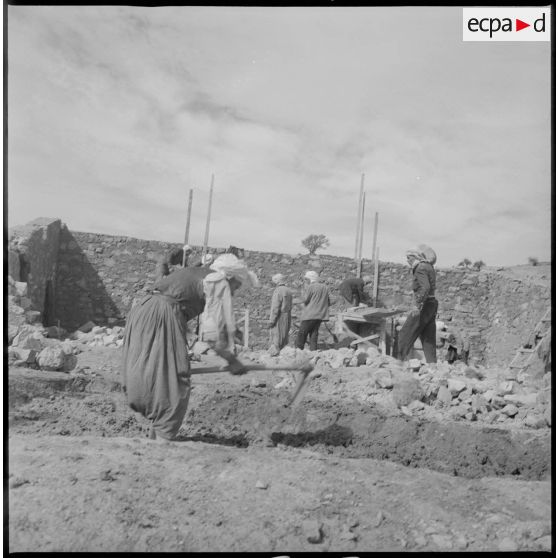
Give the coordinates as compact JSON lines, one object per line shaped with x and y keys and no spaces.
{"x":207,"y":259}
{"x":429,"y":254}
{"x":311,"y":276}
{"x":187,"y":248}
{"x":415,"y":253}
{"x":367,"y":279}
{"x":278,"y":279}
{"x":231,"y":267}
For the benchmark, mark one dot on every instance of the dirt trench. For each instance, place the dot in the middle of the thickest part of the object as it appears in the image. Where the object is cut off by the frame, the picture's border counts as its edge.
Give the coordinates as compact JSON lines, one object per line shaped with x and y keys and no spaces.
{"x":241,"y":415}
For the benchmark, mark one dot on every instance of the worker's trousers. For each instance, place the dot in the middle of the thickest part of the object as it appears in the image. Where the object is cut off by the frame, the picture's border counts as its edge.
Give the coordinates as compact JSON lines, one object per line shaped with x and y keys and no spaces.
{"x":308,"y":328}
{"x":421,"y":325}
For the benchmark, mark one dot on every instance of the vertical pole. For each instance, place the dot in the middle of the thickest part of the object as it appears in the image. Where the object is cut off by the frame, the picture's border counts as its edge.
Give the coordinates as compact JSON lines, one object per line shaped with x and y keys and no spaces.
{"x":206,"y":237}
{"x":375,"y":286}
{"x":187,"y":233}
{"x":375,"y":237}
{"x":359,"y":215}
{"x":361,"y":226}
{"x":246,"y":327}
{"x":359,"y":261}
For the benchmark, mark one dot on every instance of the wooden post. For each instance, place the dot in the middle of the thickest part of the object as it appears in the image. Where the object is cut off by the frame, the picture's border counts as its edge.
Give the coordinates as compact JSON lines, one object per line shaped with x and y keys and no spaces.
{"x":361,"y":229}
{"x":359,"y":216}
{"x":246,"y":327}
{"x":206,"y":237}
{"x":375,"y":237}
{"x":187,"y":233}
{"x":375,"y":286}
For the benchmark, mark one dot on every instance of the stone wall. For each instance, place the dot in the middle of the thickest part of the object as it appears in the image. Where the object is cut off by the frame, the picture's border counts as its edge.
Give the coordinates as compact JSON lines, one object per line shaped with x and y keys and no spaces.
{"x":515,"y":308}
{"x":32,"y":259}
{"x":98,"y":276}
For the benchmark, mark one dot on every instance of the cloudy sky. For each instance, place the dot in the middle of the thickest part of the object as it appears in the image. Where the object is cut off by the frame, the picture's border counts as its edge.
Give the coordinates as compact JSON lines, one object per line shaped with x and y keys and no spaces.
{"x":115,"y":112}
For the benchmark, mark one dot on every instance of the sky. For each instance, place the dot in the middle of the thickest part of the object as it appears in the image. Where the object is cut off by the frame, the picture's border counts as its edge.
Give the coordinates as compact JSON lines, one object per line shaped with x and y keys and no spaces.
{"x":116,"y":112}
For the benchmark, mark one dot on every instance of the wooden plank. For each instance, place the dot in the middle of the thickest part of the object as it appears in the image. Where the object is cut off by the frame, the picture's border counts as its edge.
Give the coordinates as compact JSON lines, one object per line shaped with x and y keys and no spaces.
{"x":364,"y":339}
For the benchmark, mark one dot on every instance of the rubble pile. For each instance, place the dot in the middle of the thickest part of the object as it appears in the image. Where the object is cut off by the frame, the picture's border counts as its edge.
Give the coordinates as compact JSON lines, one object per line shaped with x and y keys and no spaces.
{"x":32,"y":345}
{"x":463,"y":392}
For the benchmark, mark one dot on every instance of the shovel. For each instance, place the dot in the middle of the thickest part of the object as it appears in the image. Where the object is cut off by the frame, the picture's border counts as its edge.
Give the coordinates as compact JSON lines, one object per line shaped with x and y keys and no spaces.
{"x":304,"y":370}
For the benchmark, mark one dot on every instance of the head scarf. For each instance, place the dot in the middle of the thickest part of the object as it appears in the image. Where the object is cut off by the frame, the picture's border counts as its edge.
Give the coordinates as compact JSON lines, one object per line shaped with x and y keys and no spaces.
{"x":278,"y":279}
{"x":312,"y":276}
{"x":415,"y":253}
{"x":187,"y":248}
{"x":429,"y":254}
{"x":367,"y":279}
{"x":207,"y":259}
{"x":231,"y":267}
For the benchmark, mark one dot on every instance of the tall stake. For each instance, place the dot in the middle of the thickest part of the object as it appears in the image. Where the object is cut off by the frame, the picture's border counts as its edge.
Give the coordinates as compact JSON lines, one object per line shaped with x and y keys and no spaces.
{"x":375,"y":237}
{"x":375,"y":286}
{"x":361,"y":226}
{"x":359,"y":271}
{"x":359,"y":215}
{"x":187,"y":233}
{"x":206,"y":237}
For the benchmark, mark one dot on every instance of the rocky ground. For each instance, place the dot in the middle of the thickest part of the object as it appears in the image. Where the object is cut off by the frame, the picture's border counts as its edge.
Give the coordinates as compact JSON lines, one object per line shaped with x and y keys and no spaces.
{"x":374,"y":457}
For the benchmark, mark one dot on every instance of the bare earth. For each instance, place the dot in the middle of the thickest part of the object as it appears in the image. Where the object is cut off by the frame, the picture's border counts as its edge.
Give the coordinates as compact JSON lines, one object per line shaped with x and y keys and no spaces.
{"x":349,"y":472}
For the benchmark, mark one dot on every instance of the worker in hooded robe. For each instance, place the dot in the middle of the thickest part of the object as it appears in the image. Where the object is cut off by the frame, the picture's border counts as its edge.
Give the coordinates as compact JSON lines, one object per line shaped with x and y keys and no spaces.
{"x":421,"y":321}
{"x":155,"y":363}
{"x":280,"y":314}
{"x":217,"y":323}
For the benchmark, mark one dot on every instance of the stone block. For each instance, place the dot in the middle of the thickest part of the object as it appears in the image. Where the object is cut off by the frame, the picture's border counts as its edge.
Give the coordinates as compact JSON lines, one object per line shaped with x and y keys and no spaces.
{"x":12,"y":332}
{"x":444,"y":395}
{"x":478,"y":404}
{"x":109,"y":340}
{"x":312,"y":530}
{"x":522,"y":400}
{"x":534,"y":421}
{"x":505,"y":388}
{"x":21,"y":357}
{"x":405,"y":391}
{"x":456,"y":386}
{"x":20,"y":288}
{"x":383,"y":379}
{"x":28,"y":339}
{"x":33,"y":316}
{"x":86,"y":327}
{"x":51,"y":358}
{"x":510,"y":410}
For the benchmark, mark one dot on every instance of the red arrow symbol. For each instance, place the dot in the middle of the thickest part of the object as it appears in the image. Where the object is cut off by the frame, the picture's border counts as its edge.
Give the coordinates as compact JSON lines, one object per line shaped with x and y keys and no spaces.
{"x":519,"y":25}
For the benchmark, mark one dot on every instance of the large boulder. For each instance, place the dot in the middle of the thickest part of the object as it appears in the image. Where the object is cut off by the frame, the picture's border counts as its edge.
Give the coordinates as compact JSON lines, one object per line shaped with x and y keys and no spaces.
{"x":51,"y":358}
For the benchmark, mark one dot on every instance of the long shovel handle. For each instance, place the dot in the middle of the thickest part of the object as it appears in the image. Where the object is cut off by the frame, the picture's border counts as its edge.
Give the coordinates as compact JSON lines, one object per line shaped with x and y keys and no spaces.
{"x":252,"y":367}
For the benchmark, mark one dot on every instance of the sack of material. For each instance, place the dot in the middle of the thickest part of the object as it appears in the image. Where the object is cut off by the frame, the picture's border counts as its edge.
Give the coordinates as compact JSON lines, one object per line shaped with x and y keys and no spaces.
{"x":429,"y":254}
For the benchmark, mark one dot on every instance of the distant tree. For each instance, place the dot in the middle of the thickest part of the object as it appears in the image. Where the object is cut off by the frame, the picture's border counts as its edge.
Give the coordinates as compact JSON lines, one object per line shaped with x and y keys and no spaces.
{"x":477,"y":265}
{"x":315,"y":242}
{"x":534,"y":261}
{"x":464,"y":263}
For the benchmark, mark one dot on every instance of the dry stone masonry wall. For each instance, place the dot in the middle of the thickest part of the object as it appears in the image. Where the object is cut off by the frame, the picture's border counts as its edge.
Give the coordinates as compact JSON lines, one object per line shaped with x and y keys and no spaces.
{"x":96,"y":277}
{"x":32,"y":259}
